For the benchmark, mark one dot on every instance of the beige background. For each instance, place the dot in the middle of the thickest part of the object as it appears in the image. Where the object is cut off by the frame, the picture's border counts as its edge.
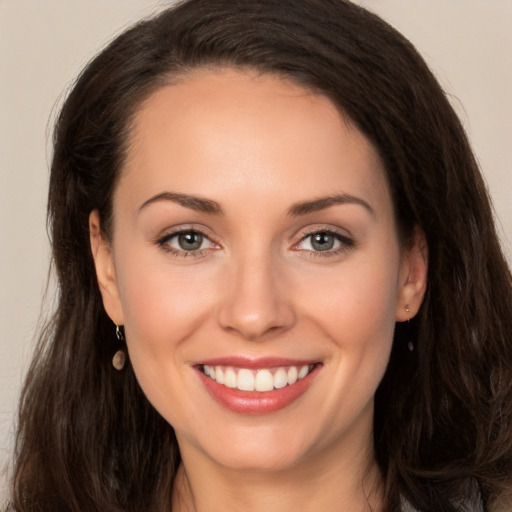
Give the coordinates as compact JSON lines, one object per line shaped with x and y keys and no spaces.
{"x":43,"y":45}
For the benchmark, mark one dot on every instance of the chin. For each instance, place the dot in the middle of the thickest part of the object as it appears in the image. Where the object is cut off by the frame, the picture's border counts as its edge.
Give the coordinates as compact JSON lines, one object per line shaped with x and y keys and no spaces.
{"x":266,"y":457}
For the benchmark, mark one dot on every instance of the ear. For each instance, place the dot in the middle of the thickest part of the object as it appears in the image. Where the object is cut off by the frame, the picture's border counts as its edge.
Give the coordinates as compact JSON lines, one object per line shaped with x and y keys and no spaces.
{"x":413,"y":277}
{"x":105,"y":270}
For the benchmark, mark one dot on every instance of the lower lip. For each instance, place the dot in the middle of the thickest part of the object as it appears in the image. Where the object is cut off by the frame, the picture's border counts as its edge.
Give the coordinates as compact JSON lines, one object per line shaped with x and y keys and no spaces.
{"x":255,"y":402}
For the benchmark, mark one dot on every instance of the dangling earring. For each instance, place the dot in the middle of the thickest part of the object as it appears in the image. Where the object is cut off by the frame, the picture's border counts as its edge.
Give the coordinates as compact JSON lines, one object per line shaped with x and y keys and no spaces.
{"x":410,"y":345}
{"x":119,"y":358}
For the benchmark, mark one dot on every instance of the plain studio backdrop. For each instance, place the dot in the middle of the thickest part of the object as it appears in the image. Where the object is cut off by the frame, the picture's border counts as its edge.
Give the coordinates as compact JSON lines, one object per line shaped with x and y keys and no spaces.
{"x":43,"y":46}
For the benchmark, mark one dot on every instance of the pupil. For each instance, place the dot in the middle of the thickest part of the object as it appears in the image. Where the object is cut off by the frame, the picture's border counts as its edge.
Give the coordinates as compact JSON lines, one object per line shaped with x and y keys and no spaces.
{"x":190,"y":241}
{"x":322,"y":241}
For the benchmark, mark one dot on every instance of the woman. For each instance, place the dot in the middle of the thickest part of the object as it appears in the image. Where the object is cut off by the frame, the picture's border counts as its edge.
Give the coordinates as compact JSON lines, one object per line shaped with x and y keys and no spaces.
{"x":280,"y":284}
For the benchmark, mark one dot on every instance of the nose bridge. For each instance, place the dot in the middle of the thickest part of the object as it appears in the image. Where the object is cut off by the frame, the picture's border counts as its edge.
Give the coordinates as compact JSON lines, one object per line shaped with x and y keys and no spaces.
{"x":254,"y":301}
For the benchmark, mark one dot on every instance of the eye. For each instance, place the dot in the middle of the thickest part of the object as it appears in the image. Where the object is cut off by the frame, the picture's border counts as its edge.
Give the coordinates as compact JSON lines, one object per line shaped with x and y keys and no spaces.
{"x":324,"y":241}
{"x":186,"y":242}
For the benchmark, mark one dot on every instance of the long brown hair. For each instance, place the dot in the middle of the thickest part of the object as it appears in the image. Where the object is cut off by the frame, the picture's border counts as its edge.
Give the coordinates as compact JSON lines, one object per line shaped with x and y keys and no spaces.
{"x":89,"y":440}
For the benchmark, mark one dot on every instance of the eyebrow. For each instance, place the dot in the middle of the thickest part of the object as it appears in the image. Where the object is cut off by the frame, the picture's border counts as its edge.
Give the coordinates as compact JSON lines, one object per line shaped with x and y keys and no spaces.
{"x":212,"y":207}
{"x":193,"y":202}
{"x":325,"y":202}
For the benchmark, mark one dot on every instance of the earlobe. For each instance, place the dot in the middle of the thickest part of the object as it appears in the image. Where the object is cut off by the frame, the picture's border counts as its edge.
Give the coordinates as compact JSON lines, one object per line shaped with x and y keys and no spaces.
{"x":413,"y":277}
{"x":105,"y":270}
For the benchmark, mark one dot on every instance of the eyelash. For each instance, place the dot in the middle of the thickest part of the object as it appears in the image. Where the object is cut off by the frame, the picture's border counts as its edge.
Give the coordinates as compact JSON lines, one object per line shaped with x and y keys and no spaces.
{"x":345,"y":242}
{"x":164,"y":243}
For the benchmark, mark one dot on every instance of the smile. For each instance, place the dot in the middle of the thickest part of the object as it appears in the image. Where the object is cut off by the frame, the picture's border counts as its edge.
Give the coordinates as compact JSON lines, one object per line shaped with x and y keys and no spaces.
{"x":256,"y":379}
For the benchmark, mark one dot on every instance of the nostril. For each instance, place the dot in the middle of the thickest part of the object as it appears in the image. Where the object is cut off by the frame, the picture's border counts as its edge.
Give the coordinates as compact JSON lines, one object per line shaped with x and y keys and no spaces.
{"x":256,"y":326}
{"x":252,"y":303}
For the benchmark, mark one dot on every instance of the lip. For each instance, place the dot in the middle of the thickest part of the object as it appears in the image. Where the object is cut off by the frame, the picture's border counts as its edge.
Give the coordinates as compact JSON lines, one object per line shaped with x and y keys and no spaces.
{"x":255,"y":402}
{"x":254,"y":363}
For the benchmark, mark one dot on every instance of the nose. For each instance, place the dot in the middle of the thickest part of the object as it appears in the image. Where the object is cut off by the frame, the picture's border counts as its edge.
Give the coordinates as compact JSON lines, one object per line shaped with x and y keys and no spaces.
{"x":255,"y":304}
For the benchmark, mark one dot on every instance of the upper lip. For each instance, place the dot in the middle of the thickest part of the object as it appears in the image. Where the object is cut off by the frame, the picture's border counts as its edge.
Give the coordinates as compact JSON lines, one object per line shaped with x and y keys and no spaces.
{"x":255,"y":362}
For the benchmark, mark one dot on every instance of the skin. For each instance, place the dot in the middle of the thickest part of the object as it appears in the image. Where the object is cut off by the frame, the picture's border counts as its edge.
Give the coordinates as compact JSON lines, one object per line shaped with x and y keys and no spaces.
{"x":257,"y":146}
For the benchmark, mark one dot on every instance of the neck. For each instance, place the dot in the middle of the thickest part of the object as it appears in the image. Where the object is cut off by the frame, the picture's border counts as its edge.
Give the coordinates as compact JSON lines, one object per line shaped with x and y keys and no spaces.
{"x":329,"y":481}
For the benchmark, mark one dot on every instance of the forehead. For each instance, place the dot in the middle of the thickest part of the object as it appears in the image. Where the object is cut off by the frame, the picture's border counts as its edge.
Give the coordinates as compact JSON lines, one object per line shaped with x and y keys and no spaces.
{"x":215,"y":132}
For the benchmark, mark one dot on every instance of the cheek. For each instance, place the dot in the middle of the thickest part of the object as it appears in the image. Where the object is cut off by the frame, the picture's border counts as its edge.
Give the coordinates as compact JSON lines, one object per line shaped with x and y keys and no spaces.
{"x":355,"y":308}
{"x":163,"y":306}
{"x":356,"y":303}
{"x":162,"y":311}
{"x":157,"y":297}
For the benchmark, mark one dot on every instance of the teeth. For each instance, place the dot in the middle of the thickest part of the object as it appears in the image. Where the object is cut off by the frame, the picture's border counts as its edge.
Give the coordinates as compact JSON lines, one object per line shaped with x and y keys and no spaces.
{"x":303,"y":372}
{"x":292,"y":375}
{"x":264,"y":381}
{"x":280,"y":378}
{"x":245,"y":381}
{"x":261,"y":380}
{"x":219,"y":376}
{"x":230,"y":378}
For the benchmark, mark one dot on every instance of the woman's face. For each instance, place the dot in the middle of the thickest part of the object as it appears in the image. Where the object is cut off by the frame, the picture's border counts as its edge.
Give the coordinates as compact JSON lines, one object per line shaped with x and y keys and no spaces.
{"x":255,"y":247}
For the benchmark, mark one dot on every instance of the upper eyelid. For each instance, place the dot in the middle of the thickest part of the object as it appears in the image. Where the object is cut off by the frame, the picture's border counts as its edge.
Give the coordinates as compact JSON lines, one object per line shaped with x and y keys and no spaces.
{"x":340,"y":237}
{"x":308,"y":231}
{"x":166,"y":240}
{"x":176,"y":230}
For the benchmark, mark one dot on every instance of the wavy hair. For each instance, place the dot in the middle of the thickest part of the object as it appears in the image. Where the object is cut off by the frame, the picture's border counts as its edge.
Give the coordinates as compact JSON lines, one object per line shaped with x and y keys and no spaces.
{"x":88,"y":439}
